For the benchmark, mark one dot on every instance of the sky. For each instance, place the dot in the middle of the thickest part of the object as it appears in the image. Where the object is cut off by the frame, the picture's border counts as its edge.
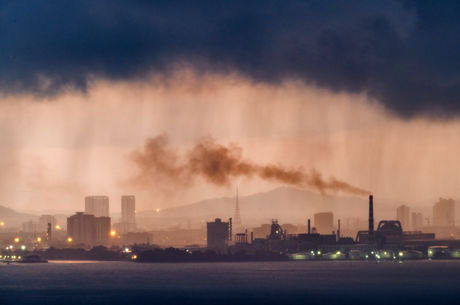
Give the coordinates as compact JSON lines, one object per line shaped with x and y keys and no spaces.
{"x":365,"y":92}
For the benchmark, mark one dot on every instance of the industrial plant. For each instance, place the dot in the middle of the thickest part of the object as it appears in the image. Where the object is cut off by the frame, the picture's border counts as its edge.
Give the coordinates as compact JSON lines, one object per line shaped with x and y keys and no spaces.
{"x":229,"y":240}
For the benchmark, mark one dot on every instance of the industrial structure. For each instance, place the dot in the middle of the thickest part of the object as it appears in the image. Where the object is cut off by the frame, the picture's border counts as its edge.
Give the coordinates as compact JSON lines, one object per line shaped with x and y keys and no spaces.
{"x":237,"y":225}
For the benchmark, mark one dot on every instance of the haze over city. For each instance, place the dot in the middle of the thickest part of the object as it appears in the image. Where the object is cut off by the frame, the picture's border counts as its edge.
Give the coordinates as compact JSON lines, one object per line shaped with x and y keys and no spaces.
{"x":262,"y":131}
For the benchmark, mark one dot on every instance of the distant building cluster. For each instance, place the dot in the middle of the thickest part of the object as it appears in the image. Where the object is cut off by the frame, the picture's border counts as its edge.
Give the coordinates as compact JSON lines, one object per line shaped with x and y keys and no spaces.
{"x":442,"y":220}
{"x":94,"y":226}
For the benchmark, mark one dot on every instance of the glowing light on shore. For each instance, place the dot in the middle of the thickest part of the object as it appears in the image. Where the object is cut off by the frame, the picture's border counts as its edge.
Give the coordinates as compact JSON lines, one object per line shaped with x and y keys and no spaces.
{"x":69,"y":239}
{"x":39,"y":239}
{"x":113,"y":233}
{"x":16,"y":239}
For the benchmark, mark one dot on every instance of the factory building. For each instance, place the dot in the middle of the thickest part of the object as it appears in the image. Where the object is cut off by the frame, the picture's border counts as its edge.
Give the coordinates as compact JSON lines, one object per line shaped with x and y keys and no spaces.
{"x":88,"y":230}
{"x":97,"y":206}
{"x":218,"y":234}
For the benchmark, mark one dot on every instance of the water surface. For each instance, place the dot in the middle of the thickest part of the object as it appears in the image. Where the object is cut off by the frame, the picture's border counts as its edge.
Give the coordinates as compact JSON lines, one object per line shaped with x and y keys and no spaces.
{"x":321,"y":282}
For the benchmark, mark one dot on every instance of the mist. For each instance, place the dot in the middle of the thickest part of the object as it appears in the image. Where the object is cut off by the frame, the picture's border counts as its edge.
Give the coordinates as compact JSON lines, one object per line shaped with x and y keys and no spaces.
{"x":57,"y":150}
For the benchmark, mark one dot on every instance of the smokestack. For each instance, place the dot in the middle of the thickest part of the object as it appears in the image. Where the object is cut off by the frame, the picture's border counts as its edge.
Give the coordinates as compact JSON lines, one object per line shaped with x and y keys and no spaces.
{"x":338,"y":230}
{"x":48,"y":232}
{"x":230,"y":229}
{"x":371,"y":218}
{"x":309,"y":226}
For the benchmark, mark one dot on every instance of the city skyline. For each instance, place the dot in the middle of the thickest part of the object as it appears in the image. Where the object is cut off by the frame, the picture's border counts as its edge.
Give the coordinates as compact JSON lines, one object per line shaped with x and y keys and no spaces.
{"x":229,"y":152}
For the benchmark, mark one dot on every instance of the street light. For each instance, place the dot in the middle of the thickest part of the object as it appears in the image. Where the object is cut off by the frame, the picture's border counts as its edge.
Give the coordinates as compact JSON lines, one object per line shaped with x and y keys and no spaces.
{"x":69,"y":239}
{"x":16,"y":239}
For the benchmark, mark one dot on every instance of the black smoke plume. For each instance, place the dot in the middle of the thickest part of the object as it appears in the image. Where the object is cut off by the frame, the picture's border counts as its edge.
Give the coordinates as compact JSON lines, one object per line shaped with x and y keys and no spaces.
{"x":219,"y":164}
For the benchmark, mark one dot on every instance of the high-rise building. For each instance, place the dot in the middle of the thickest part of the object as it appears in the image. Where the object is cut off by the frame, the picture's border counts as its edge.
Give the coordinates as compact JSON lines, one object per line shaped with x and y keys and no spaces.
{"x":403,"y":215}
{"x":88,"y":230}
{"x":128,"y":209}
{"x":324,"y":222}
{"x":128,"y":215}
{"x":217,"y":235}
{"x":43,"y":222}
{"x":97,"y":206}
{"x":417,"y":220}
{"x":444,"y":213}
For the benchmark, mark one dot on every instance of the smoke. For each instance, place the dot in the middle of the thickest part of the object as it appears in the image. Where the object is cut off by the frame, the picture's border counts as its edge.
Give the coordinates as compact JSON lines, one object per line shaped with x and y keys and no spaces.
{"x":218,"y":164}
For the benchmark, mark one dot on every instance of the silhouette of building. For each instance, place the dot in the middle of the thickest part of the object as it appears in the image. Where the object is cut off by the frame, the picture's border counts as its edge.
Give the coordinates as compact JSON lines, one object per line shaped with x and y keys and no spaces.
{"x":88,"y":230}
{"x":241,"y":238}
{"x":276,"y":232}
{"x":324,"y":222}
{"x":43,"y":222}
{"x":97,"y":206}
{"x":217,"y":235}
{"x":128,"y":215}
{"x":403,"y":215}
{"x":128,"y":209}
{"x":444,"y":213}
{"x":417,"y":220}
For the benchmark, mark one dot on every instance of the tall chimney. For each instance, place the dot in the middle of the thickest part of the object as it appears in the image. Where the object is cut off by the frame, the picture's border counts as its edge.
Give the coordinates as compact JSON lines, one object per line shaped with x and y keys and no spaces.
{"x":338,"y":230}
{"x":371,"y":218}
{"x":230,"y":233}
{"x":49,"y":232}
{"x":309,"y":226}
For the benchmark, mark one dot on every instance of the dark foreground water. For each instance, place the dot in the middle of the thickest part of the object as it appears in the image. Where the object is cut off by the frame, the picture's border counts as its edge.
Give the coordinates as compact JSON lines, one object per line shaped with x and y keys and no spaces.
{"x":413,"y":282}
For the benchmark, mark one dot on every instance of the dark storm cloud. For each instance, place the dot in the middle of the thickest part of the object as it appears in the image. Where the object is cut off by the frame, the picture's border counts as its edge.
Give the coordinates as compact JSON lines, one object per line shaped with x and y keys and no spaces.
{"x":405,"y":54}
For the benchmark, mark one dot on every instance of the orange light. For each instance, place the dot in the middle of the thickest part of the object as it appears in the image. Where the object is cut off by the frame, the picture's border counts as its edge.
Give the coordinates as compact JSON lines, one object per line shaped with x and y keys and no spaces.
{"x":57,"y":227}
{"x":2,"y":223}
{"x":69,"y":239}
{"x":16,"y":239}
{"x":134,"y":257}
{"x":113,"y":233}
{"x":39,"y":239}
{"x":157,"y":210}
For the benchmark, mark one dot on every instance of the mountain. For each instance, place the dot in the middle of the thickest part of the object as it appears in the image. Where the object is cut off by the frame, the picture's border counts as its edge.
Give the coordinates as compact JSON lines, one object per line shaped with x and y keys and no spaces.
{"x":288,"y":205}
{"x":12,"y":218}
